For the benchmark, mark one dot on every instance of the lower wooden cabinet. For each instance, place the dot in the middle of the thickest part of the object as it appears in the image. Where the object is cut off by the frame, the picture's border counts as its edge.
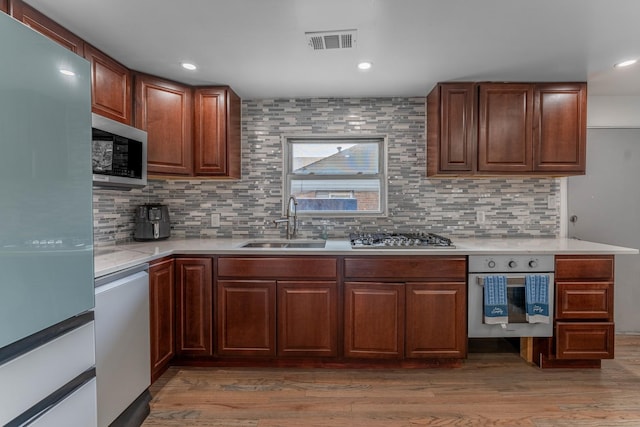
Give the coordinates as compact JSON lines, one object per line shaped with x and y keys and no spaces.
{"x":194,"y":305}
{"x":584,"y":307}
{"x":4,"y":6}
{"x":246,"y":314}
{"x":277,"y":306}
{"x":584,"y":330}
{"x":374,"y":320}
{"x":277,"y":318}
{"x":584,"y":301}
{"x":435,"y":320}
{"x":585,"y":340}
{"x":412,"y":320}
{"x":162,"y":315}
{"x":307,"y":318}
{"x":416,"y":309}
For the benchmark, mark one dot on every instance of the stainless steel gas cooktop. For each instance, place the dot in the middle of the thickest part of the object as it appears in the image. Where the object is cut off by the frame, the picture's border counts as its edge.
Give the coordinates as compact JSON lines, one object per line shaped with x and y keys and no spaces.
{"x":399,"y":241}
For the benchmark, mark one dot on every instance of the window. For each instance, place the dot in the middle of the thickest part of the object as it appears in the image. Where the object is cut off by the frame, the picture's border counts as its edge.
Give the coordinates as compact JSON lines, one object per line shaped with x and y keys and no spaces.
{"x":336,"y":176}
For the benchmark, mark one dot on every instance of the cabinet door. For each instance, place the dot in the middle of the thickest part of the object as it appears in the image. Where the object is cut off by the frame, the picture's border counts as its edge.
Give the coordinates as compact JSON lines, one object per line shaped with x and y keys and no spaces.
{"x":436,"y":320}
{"x":162,"y":304}
{"x":217,"y":132}
{"x":110,"y":86}
{"x":560,"y":128}
{"x":505,"y":128}
{"x":4,"y":6}
{"x":374,"y":320}
{"x":164,"y":110}
{"x":451,"y":130}
{"x":246,"y":314}
{"x":37,"y":21}
{"x":307,"y":318}
{"x":194,"y":306}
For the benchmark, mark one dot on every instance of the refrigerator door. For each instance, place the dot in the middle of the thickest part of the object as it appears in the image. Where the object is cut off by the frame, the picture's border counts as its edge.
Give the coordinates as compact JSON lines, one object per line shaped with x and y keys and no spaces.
{"x":46,"y":238}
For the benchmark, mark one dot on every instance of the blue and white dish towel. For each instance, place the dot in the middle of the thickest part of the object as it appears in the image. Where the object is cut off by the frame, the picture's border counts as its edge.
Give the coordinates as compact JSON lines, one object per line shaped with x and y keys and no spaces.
{"x":495,"y":300}
{"x":537,"y":298}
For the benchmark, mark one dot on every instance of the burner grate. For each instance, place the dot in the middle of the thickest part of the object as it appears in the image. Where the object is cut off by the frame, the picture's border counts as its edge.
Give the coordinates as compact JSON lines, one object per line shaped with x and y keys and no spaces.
{"x":399,"y":240}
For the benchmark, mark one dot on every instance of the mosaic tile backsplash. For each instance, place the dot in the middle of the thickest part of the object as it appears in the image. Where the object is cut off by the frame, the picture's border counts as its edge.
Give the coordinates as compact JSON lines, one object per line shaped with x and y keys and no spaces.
{"x":513,"y":207}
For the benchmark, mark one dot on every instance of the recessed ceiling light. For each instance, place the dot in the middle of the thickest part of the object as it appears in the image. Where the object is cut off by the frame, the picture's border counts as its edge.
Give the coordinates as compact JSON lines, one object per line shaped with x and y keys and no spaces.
{"x":364,"y":65}
{"x":188,"y":66}
{"x":625,"y":63}
{"x":67,"y":72}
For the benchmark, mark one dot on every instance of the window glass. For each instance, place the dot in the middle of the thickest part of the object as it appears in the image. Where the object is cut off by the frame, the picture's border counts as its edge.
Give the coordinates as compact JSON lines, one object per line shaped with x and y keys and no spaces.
{"x":336,"y":176}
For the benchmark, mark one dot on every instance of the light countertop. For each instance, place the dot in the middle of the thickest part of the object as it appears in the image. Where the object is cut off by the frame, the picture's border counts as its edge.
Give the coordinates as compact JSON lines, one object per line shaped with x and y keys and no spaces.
{"x":109,"y":259}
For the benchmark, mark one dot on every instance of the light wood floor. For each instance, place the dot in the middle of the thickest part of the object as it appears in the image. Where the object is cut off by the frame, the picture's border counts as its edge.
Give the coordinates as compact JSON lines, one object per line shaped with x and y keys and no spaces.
{"x":490,"y":389}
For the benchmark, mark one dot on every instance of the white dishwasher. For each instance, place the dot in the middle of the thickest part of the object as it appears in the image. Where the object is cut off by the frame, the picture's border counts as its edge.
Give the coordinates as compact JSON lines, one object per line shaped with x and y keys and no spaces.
{"x":122,"y":347}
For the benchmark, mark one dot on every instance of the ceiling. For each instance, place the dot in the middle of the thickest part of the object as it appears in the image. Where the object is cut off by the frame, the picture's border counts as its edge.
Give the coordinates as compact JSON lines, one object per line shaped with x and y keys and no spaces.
{"x":259,"y":48}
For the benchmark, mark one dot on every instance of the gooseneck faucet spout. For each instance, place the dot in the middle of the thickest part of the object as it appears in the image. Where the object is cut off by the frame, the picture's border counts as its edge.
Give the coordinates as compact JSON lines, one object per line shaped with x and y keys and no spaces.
{"x":291,"y":219}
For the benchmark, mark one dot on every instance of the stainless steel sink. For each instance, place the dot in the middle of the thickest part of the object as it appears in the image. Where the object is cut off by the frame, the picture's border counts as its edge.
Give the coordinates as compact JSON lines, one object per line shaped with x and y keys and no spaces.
{"x":306,"y":244}
{"x":292,"y":245}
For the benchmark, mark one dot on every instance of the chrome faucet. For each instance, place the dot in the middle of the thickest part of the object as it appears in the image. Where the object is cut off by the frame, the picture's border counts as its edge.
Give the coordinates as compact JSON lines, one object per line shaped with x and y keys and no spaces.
{"x":291,"y":219}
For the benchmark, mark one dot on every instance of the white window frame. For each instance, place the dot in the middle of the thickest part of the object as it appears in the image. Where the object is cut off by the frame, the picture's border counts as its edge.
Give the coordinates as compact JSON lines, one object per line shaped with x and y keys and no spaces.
{"x":381,"y":175}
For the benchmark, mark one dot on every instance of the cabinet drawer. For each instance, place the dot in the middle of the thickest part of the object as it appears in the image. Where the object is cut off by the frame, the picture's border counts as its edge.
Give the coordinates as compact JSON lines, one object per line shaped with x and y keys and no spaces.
{"x":578,"y":267}
{"x":432,"y":267}
{"x":585,"y":340}
{"x":278,"y":267}
{"x":584,"y":300}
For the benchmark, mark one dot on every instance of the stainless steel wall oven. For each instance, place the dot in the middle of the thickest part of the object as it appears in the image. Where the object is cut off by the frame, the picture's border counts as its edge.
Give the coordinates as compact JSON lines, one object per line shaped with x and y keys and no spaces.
{"x":516,"y":271}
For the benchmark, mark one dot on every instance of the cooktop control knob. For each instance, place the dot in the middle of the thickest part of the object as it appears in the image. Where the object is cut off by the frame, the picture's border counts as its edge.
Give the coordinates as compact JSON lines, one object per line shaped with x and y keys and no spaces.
{"x":491,"y":264}
{"x":512,"y":264}
{"x":533,"y":263}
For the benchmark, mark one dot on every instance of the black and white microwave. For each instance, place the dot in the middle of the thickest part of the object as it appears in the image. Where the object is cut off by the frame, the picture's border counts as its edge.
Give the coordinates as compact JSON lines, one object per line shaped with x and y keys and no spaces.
{"x":119,"y":154}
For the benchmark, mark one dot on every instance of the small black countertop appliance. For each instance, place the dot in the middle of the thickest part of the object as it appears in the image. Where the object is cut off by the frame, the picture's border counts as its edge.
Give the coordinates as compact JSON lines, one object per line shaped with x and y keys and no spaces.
{"x":152,"y":222}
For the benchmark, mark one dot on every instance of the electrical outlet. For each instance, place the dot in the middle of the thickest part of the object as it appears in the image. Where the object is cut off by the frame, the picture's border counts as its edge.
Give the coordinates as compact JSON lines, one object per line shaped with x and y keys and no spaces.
{"x":480,"y":217}
{"x":551,"y":202}
{"x":215,"y":220}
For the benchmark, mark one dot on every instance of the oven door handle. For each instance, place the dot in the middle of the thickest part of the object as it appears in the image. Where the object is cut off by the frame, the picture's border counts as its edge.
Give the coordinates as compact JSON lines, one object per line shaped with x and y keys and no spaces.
{"x":512,"y":281}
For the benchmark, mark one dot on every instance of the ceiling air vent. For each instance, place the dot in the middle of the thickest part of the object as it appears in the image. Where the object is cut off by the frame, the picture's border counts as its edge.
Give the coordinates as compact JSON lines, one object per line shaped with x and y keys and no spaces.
{"x":324,"y":40}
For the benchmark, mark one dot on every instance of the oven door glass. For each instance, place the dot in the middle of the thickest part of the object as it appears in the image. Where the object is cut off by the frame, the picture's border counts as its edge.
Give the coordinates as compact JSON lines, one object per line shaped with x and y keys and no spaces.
{"x":517,"y":325}
{"x":517,"y":305}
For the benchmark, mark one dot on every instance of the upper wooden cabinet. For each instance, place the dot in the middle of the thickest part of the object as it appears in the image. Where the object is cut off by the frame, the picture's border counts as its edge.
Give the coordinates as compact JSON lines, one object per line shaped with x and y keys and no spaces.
{"x":164,"y":109}
{"x":110,"y":86}
{"x":451,"y":127}
{"x":39,"y":22}
{"x":506,"y":129}
{"x":110,"y":80}
{"x":191,"y":132}
{"x":559,"y":128}
{"x":217,"y":132}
